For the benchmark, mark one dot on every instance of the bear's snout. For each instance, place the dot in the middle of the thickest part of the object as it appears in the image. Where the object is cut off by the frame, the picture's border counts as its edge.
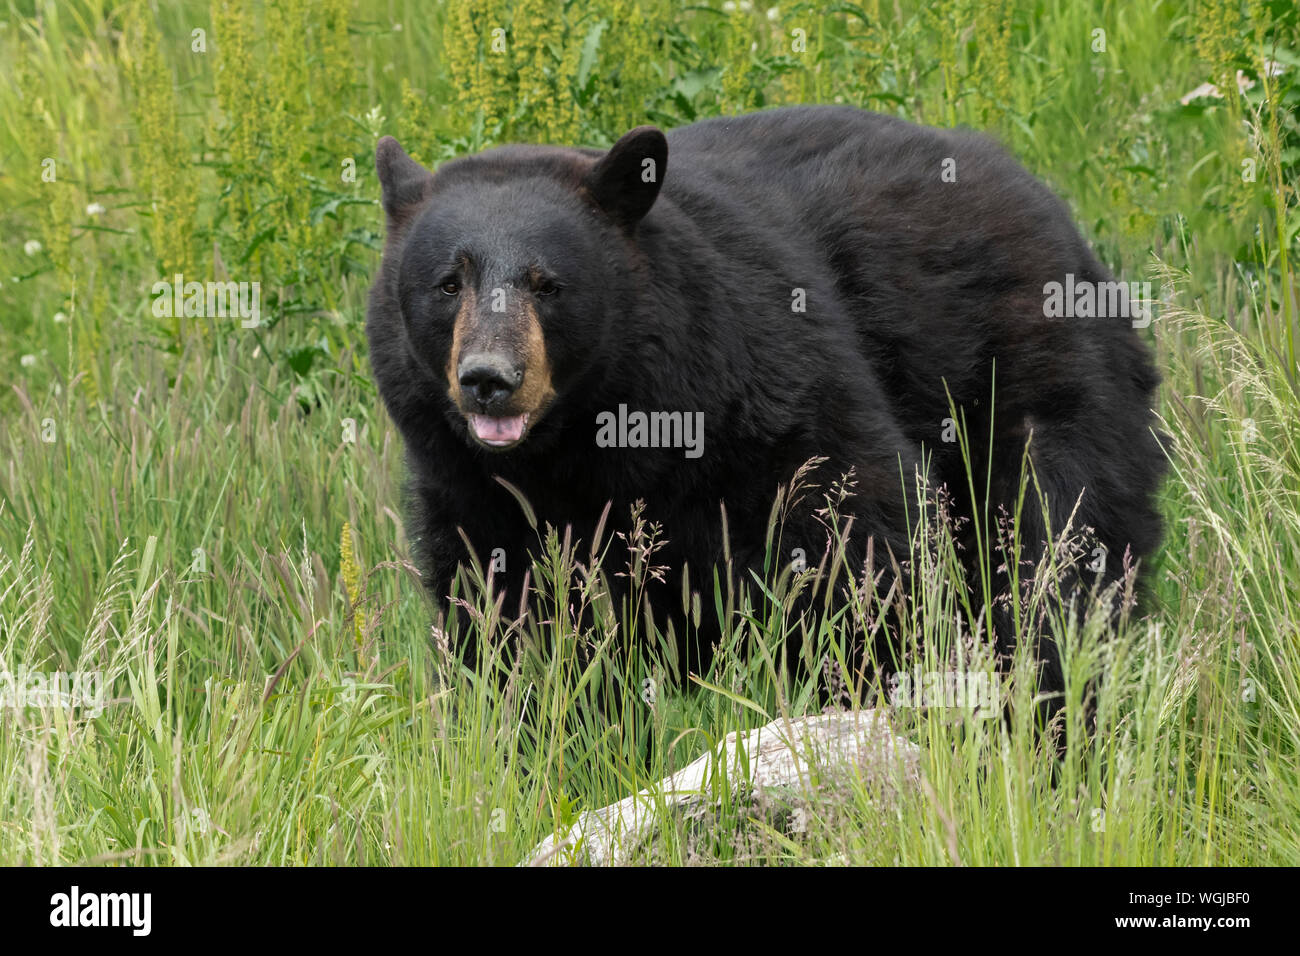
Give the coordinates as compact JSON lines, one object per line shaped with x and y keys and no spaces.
{"x":488,"y":380}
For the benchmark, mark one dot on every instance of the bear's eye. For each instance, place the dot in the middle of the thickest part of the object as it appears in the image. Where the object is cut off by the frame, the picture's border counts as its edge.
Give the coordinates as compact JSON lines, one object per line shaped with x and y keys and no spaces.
{"x":547,"y":287}
{"x":450,"y":287}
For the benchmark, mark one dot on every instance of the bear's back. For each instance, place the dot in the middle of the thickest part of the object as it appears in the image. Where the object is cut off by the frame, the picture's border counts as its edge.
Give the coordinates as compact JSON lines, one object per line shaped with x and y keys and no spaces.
{"x":835,"y":172}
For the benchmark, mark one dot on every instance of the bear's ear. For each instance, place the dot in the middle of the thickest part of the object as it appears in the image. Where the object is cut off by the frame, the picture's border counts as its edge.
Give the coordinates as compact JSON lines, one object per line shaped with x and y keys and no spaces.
{"x":405,"y":183}
{"x":625,"y":181}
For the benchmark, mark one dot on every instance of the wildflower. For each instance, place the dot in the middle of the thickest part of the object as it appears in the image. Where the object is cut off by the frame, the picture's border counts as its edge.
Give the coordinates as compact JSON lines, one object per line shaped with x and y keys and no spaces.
{"x":27,"y":361}
{"x":351,"y":575}
{"x":60,"y":317}
{"x":95,"y":209}
{"x":32,"y":246}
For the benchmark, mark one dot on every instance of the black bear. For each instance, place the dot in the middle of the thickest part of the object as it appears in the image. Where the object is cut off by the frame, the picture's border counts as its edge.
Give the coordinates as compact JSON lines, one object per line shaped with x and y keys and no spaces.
{"x":688,"y":318}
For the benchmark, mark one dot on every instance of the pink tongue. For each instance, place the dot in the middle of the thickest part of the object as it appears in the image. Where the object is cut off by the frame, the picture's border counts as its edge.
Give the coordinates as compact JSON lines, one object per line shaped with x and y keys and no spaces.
{"x":498,"y":430}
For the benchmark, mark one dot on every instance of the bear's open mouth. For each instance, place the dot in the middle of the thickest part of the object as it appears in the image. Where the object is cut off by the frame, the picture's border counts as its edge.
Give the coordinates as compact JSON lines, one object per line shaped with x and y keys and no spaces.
{"x":498,"y":432}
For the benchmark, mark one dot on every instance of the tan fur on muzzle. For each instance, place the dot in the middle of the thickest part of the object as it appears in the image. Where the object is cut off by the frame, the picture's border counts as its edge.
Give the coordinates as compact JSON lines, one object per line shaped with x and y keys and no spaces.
{"x":515,"y":333}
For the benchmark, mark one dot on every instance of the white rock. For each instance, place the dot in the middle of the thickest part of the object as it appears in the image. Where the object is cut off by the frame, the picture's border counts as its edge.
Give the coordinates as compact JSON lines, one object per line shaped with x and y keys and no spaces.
{"x":779,"y":756}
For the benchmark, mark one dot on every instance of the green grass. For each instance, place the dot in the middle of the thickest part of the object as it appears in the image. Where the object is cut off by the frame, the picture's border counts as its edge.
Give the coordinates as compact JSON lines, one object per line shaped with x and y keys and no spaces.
{"x":181,"y":531}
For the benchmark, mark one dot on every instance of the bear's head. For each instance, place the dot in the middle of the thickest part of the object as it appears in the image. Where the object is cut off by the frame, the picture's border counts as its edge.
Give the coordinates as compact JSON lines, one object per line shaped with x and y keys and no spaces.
{"x":505,"y":274}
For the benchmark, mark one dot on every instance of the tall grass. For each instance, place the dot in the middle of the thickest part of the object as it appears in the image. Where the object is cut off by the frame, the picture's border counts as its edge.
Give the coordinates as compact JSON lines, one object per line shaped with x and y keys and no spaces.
{"x":173,"y":498}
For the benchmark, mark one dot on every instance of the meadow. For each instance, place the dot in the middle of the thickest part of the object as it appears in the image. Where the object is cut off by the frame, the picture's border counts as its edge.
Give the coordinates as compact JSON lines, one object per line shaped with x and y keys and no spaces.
{"x":207,"y":512}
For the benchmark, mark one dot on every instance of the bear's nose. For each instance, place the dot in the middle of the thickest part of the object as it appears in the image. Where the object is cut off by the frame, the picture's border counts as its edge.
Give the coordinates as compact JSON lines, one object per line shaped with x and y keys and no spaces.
{"x":489,"y":379}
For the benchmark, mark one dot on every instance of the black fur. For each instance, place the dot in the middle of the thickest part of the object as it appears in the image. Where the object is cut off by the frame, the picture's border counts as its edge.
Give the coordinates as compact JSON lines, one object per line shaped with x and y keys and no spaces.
{"x":915,"y":288}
